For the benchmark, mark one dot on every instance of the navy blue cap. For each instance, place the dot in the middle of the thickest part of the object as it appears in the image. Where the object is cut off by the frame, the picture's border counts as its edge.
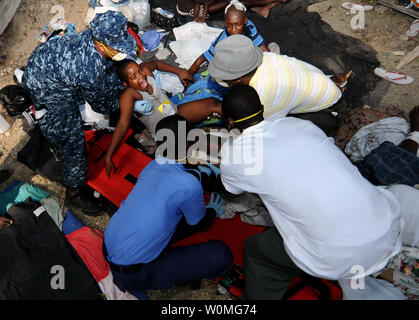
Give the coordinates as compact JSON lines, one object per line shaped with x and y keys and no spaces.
{"x":111,"y":28}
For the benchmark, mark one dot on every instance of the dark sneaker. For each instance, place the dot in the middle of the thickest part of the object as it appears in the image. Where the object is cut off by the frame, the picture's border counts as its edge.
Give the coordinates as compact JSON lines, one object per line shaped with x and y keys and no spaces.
{"x":81,"y":198}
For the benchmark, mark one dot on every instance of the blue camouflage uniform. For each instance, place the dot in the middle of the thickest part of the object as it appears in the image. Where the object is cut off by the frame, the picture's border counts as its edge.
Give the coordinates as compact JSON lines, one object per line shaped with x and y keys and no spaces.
{"x":63,"y":73}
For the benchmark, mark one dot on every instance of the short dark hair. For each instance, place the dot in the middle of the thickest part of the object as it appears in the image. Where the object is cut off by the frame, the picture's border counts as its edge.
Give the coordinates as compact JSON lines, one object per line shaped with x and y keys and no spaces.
{"x":120,"y":67}
{"x":174,"y":123}
{"x":240,"y":102}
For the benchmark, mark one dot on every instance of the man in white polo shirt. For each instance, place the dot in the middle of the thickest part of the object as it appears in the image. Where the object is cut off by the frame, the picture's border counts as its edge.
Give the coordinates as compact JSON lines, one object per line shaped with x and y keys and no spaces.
{"x":330,"y":222}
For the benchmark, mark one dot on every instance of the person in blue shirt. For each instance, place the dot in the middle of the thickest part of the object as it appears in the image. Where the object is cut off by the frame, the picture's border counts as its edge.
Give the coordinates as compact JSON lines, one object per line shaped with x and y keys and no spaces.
{"x":235,"y":22}
{"x":61,"y":75}
{"x":165,"y":205}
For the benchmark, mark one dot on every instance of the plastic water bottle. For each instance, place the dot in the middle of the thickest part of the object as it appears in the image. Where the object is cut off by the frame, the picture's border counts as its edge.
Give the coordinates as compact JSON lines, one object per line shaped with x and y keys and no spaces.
{"x":164,"y":13}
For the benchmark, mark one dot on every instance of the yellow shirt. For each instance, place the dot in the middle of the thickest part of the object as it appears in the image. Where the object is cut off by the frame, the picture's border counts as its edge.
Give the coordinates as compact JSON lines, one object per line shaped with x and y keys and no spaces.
{"x":288,"y":85}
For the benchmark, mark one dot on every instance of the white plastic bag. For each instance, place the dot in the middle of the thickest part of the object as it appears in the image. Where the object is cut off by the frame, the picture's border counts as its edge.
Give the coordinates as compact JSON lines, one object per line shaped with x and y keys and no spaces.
{"x":4,"y":125}
{"x":140,"y":10}
{"x":93,"y":118}
{"x":373,"y":289}
{"x":192,"y":39}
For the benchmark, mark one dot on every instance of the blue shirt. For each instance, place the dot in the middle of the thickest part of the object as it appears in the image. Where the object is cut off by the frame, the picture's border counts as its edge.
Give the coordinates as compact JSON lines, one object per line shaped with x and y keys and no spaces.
{"x":249,"y":31}
{"x":144,"y":224}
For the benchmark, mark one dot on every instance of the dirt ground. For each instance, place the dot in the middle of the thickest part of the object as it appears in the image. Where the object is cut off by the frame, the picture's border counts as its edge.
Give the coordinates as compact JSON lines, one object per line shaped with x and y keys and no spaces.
{"x":384,"y":31}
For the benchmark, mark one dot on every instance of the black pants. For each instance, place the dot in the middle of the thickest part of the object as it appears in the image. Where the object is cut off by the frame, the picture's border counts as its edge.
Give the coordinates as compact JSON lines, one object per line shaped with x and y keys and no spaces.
{"x":268,"y":270}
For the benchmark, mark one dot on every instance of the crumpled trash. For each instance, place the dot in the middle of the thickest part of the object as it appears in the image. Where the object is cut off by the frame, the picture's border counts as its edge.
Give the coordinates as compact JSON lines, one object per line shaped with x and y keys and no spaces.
{"x":54,"y":29}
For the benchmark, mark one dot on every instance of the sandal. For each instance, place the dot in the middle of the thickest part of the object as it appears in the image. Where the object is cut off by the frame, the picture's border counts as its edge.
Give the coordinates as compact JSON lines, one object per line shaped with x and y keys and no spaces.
{"x":395,"y":77}
{"x":356,"y":6}
{"x":413,"y":29}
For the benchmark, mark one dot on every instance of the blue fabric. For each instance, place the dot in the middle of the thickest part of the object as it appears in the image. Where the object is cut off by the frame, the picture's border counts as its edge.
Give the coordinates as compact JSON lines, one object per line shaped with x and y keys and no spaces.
{"x":216,"y":87}
{"x":156,"y":75}
{"x":11,"y":186}
{"x":71,"y":223}
{"x":390,"y":164}
{"x":213,"y":121}
{"x":203,"y":87}
{"x":151,"y":39}
{"x":249,"y":31}
{"x":198,"y":95}
{"x":178,"y":266}
{"x":176,"y":98}
{"x":144,"y":224}
{"x":111,"y":28}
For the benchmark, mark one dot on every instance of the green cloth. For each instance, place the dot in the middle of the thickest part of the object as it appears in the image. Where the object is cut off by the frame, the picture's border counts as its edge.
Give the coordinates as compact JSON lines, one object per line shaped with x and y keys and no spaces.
{"x":19,"y":194}
{"x":53,"y":209}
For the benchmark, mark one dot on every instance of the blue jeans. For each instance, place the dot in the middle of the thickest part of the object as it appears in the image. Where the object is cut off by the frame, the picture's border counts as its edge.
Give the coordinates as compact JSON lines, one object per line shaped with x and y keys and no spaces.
{"x":177,"y":266}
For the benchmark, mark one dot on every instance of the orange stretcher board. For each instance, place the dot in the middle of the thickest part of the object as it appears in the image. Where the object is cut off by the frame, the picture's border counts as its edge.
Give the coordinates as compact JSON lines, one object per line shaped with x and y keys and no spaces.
{"x":128,"y":161}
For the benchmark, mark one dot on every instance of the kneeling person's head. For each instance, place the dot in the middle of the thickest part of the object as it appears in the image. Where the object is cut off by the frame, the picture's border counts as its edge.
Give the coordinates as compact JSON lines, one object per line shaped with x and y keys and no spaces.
{"x":235,"y":58}
{"x":171,"y":137}
{"x":241,"y":107}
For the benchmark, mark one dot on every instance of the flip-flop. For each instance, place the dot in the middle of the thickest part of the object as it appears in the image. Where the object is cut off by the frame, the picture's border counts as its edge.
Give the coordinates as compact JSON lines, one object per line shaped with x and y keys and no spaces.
{"x":392,"y":76}
{"x":356,"y":6}
{"x":413,"y":29}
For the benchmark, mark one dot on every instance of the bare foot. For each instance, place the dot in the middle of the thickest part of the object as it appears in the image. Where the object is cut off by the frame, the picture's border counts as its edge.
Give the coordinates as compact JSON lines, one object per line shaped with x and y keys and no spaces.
{"x":264,"y":11}
{"x":339,"y":79}
{"x":5,"y":222}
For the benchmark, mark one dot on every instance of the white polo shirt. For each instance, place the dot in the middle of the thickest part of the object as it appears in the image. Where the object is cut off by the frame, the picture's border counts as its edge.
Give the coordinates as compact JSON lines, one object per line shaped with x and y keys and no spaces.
{"x":330,"y":218}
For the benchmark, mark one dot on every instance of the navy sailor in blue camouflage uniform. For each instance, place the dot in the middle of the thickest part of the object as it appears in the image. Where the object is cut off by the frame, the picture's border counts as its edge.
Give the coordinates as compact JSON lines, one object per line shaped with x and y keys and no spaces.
{"x":61,"y":75}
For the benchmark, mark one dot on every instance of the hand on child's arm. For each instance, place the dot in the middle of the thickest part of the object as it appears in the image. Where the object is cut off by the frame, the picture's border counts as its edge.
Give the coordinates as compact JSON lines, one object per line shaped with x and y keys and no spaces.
{"x":109,"y":165}
{"x":184,"y":76}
